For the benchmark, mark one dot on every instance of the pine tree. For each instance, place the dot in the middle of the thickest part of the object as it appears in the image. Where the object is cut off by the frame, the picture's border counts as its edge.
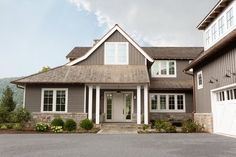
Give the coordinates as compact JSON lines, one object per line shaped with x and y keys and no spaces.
{"x":7,"y":99}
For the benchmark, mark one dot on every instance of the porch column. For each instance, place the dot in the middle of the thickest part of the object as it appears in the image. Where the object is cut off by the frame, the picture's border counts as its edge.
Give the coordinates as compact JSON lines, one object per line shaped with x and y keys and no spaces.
{"x":145,"y":104}
{"x":138,"y":104}
{"x":97,"y":104}
{"x":90,"y":103}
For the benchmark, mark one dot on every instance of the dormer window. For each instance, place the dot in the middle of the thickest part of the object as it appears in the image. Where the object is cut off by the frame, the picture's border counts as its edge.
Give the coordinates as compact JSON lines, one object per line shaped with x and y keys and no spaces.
{"x":230,"y":18}
{"x":164,"y":68}
{"x":116,"y":53}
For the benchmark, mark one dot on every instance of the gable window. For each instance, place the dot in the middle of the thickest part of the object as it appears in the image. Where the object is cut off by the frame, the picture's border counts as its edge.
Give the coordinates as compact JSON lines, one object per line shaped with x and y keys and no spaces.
{"x":162,"y":102}
{"x":116,"y":53}
{"x":199,"y":80}
{"x":164,"y":68}
{"x":54,"y":100}
{"x":221,"y":25}
{"x":229,"y":18}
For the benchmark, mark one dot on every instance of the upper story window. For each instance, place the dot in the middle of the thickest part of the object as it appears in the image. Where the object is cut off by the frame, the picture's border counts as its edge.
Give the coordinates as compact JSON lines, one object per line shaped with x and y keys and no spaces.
{"x":230,"y":18}
{"x":208,"y":37}
{"x":116,"y":53}
{"x":199,"y":80}
{"x":213,"y":32}
{"x":164,"y":68}
{"x":54,"y":100}
{"x":221,"y":25}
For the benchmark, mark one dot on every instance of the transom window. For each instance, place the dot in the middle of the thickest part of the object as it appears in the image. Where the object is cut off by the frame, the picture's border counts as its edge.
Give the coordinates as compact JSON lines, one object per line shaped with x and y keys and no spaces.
{"x":116,"y":53}
{"x":199,"y":80}
{"x":226,"y":95}
{"x":54,"y":100}
{"x":164,"y":68}
{"x":167,"y":102}
{"x":230,"y":18}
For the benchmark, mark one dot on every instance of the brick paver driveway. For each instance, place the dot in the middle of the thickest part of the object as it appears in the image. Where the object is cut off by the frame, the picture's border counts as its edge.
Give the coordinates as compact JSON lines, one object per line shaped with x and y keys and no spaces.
{"x":151,"y":145}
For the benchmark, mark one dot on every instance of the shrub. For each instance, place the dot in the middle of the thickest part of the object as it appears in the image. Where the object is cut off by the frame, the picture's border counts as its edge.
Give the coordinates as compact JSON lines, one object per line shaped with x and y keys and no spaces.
{"x":41,"y":127}
{"x":86,"y":124}
{"x":159,"y":125}
{"x":145,"y":127}
{"x":164,"y":126}
{"x":21,"y":115}
{"x":17,"y":126}
{"x":58,"y":122}
{"x":190,"y":126}
{"x":70,"y":125}
{"x":57,"y":129}
{"x":3,"y":126}
{"x":3,"y":114}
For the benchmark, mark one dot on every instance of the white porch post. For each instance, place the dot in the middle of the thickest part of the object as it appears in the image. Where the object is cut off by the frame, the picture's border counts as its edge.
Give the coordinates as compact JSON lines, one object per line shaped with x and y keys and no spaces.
{"x":97,"y":104}
{"x":85,"y":96}
{"x":145,"y":104}
{"x":90,"y":102}
{"x":138,"y":104}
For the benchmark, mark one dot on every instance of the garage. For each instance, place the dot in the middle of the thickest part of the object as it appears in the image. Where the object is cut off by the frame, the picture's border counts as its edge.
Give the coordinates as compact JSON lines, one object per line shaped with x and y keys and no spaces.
{"x":224,"y":110}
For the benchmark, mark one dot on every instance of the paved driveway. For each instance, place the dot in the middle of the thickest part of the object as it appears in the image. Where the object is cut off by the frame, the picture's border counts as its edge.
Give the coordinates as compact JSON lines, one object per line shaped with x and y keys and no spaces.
{"x":155,"y":145}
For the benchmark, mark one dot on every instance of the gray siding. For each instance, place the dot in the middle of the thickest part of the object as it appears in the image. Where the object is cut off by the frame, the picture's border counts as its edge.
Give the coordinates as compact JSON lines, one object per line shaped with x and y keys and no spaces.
{"x":75,"y":97}
{"x":215,"y":69}
{"x":97,"y":58}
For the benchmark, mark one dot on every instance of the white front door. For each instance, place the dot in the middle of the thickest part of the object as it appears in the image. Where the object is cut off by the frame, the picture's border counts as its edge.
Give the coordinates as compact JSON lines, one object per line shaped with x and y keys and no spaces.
{"x":118,"y":106}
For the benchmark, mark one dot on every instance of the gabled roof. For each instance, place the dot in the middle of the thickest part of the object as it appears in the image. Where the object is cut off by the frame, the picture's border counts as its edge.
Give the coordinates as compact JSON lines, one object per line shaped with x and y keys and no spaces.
{"x":116,"y":74}
{"x":154,"y":52}
{"x":213,"y":14}
{"x":103,"y":39}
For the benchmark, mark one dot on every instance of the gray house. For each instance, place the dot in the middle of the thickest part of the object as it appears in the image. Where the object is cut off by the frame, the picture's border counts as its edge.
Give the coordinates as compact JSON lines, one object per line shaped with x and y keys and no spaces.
{"x":115,"y":80}
{"x":215,"y":70}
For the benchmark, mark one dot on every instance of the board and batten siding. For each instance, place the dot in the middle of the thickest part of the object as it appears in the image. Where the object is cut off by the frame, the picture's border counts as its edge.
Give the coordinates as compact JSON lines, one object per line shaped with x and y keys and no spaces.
{"x":215,"y":70}
{"x":75,"y":97}
{"x":97,"y":57}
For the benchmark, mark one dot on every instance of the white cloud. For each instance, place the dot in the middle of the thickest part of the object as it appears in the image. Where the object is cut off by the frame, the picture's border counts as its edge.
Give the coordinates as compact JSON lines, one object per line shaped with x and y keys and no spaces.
{"x":152,"y":22}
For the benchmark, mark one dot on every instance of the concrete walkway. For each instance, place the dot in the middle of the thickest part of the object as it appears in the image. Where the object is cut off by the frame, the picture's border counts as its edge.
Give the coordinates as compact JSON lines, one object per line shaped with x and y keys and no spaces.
{"x":118,"y":128}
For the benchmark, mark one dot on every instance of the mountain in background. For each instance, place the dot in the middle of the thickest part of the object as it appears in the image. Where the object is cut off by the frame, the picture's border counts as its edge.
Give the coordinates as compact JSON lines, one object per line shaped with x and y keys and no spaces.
{"x":18,"y":93}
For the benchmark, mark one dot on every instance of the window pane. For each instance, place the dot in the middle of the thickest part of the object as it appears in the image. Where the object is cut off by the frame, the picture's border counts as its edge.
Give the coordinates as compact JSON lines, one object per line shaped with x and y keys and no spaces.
{"x":109,"y":106}
{"x":154,"y":102}
{"x":171,"y":68}
{"x":60,"y":100}
{"x":171,"y":102}
{"x":213,"y":31}
{"x":208,"y":37}
{"x":110,"y":53}
{"x":221,"y":25}
{"x":180,"y":102}
{"x":155,"y":69}
{"x":47,"y":100}
{"x":122,"y":53}
{"x":163,"y":68}
{"x":162,"y":102}
{"x":230,"y":18}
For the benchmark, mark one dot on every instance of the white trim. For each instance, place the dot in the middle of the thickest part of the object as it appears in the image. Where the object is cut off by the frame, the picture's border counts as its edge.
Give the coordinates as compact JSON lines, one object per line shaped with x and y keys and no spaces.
{"x":167,"y":110}
{"x":23,"y":105}
{"x":100,"y":42}
{"x":138,"y":104}
{"x":97,"y":104}
{"x":198,"y":85}
{"x":90,"y":103}
{"x":85,"y":92}
{"x":145,"y":104}
{"x":158,"y":62}
{"x":54,"y":100}
{"x":224,"y":87}
{"x":116,"y":53}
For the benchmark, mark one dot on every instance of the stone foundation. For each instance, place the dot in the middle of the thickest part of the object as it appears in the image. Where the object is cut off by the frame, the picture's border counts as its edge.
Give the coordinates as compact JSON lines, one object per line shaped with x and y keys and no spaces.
{"x":174,"y":116}
{"x":204,"y":119}
{"x":48,"y":117}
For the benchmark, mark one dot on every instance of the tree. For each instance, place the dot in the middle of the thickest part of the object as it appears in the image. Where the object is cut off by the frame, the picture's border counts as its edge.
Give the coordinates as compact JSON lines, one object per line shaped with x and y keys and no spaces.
{"x":7,"y":99}
{"x":45,"y":69}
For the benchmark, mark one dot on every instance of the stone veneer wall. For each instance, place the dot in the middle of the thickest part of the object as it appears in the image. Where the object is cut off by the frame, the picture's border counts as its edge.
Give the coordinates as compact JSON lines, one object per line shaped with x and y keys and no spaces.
{"x":175,"y":116}
{"x":204,"y":119}
{"x":48,"y":117}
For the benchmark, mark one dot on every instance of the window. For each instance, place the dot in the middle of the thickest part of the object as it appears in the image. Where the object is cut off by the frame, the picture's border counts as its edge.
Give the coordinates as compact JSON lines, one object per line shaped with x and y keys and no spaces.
{"x":116,"y":53}
{"x":164,"y":68}
{"x":213,"y":32}
{"x":199,"y":80}
{"x":167,"y":102}
{"x":208,"y":37}
{"x":230,"y":18}
{"x":226,"y":95}
{"x":221,"y":25}
{"x":54,"y":100}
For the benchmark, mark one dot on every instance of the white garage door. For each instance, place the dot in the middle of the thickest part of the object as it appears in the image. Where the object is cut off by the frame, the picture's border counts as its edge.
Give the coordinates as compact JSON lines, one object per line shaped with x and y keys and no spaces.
{"x":224,"y":111}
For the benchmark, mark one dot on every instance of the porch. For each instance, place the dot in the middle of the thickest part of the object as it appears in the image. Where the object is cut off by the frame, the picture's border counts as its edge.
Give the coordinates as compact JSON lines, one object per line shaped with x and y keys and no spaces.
{"x":121,"y":103}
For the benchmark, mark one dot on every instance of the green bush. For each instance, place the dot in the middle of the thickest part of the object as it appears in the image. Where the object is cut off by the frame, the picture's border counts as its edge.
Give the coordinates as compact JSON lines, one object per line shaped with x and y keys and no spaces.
{"x":145,"y":127}
{"x":3,"y":126}
{"x":17,"y":126}
{"x":41,"y":127}
{"x":57,"y":129}
{"x":21,"y":115}
{"x":58,"y":122}
{"x":164,"y":126}
{"x":3,"y":114}
{"x":190,"y":126}
{"x":70,"y":125}
{"x":86,"y":124}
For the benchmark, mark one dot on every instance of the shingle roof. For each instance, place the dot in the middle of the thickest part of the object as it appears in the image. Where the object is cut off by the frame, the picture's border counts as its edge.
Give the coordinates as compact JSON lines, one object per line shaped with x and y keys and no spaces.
{"x":154,"y":52}
{"x":169,"y":84}
{"x":91,"y":74}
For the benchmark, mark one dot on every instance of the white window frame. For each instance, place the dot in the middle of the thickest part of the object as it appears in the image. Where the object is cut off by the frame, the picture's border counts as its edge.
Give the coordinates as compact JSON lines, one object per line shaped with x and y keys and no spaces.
{"x":230,"y":19}
{"x":221,"y":25}
{"x":167,"y":110}
{"x":199,"y":86}
{"x":116,"y":53}
{"x":54,"y":99}
{"x":158,"y":62}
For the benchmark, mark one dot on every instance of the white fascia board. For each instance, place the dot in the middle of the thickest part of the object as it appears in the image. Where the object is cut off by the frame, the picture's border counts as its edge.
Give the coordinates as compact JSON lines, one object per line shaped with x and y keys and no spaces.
{"x":116,"y":27}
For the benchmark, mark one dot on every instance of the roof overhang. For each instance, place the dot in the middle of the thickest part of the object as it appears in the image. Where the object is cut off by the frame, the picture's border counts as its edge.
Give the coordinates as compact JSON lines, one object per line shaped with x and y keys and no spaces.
{"x":104,"y":38}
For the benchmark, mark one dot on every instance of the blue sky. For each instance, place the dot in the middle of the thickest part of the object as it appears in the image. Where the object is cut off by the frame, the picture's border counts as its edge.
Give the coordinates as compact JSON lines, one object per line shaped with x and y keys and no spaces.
{"x":36,"y":33}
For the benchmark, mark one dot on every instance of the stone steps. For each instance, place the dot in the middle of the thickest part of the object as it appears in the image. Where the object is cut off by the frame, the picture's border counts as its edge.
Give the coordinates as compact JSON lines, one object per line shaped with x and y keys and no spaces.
{"x":118,"y":128}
